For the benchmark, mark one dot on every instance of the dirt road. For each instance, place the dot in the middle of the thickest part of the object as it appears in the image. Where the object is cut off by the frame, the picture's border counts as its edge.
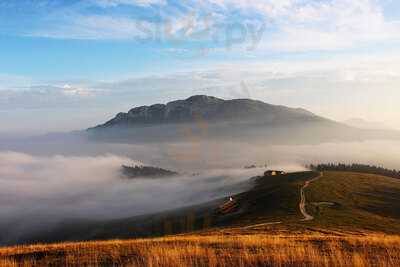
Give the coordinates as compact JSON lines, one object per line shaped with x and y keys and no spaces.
{"x":302,"y":205}
{"x":303,"y":201}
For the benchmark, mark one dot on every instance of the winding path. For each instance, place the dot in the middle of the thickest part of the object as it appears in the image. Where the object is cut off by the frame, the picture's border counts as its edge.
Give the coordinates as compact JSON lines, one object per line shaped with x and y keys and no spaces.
{"x":303,"y":201}
{"x":302,"y":205}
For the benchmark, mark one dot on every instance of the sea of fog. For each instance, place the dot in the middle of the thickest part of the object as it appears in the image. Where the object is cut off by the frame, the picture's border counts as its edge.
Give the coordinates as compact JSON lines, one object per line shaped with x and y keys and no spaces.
{"x":58,"y":178}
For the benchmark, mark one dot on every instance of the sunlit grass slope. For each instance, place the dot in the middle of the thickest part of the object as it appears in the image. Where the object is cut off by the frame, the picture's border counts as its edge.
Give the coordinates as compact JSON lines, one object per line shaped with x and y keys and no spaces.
{"x":215,"y":250}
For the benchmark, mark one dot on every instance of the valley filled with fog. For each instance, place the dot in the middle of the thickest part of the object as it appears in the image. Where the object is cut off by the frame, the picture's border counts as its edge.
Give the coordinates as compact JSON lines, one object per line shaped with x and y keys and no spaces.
{"x":59,"y":178}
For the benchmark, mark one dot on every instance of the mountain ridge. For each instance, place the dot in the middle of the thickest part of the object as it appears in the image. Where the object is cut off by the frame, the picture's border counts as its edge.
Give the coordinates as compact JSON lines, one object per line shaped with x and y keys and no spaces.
{"x":207,"y":108}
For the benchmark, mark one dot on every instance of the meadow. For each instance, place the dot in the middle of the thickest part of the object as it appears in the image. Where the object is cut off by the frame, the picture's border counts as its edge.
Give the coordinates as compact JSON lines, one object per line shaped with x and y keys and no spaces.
{"x":216,"y":249}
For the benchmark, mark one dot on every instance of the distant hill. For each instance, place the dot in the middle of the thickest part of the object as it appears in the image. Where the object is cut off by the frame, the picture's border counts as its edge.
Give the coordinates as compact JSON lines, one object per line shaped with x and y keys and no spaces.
{"x":206,"y":117}
{"x":364,"y":124}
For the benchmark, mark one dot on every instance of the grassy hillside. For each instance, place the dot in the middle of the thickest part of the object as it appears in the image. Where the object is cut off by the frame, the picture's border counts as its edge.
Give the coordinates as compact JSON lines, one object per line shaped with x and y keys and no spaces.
{"x":273,"y":198}
{"x":355,"y":201}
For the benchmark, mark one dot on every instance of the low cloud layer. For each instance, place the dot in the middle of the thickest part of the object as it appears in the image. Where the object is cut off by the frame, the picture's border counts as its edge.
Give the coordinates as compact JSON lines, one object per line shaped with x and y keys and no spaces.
{"x":38,"y":192}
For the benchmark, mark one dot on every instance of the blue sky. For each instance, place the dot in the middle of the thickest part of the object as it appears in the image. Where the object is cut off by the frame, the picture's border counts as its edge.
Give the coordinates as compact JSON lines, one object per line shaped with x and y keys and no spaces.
{"x":75,"y":63}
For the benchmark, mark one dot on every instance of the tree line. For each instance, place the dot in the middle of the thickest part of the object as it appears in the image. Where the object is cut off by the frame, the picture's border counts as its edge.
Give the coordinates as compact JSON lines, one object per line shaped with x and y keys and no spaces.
{"x":371,"y":169}
{"x":146,"y":171}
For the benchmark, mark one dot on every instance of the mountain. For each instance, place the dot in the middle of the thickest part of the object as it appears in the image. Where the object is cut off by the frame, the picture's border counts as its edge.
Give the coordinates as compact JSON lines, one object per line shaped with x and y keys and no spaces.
{"x":211,"y":118}
{"x":206,"y":108}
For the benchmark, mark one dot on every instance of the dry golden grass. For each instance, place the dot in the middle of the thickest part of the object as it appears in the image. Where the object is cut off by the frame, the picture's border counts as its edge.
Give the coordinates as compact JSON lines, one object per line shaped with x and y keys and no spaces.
{"x":215,"y":250}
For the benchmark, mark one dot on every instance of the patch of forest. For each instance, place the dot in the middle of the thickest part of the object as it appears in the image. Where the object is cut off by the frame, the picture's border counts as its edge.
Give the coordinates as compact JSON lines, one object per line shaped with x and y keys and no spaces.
{"x":146,"y":171}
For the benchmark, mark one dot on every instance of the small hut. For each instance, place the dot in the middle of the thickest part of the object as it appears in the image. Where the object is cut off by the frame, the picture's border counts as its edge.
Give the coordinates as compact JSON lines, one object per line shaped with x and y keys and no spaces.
{"x":273,"y":173}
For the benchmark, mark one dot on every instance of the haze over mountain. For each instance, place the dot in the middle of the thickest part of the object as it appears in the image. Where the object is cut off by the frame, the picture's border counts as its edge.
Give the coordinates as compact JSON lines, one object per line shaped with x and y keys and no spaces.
{"x":364,"y":124}
{"x":207,"y":117}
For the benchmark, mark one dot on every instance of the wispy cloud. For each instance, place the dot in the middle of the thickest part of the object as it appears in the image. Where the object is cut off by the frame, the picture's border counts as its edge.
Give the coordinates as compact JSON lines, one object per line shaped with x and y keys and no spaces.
{"x":45,"y":96}
{"x":114,"y":3}
{"x":293,"y":26}
{"x":333,"y":25}
{"x":92,"y":27}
